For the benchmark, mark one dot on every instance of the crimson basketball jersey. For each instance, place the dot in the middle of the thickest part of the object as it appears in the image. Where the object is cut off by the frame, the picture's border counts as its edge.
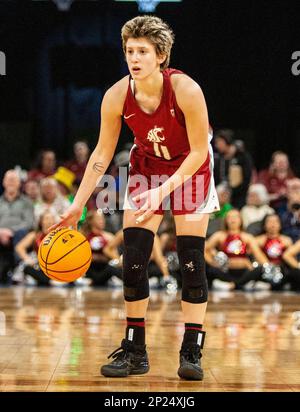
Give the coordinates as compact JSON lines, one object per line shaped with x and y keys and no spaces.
{"x":161,"y":134}
{"x":160,"y":146}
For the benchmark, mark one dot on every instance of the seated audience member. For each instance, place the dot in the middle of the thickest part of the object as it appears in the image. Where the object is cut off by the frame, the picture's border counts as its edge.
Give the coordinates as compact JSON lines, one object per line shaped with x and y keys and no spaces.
{"x":167,"y":233}
{"x":275,"y":179}
{"x":224,"y":195}
{"x":67,"y":187}
{"x":65,"y":179}
{"x":168,"y":242}
{"x":232,"y":166}
{"x":101,"y":269}
{"x":81,"y":156}
{"x":118,"y":170}
{"x":216,"y":218}
{"x":46,"y":166}
{"x":291,"y":257}
{"x":257,"y":206}
{"x":32,"y":190}
{"x":290,"y":219}
{"x":27,"y":249}
{"x":51,"y":199}
{"x":274,"y":244}
{"x":227,"y":269}
{"x":16,"y":219}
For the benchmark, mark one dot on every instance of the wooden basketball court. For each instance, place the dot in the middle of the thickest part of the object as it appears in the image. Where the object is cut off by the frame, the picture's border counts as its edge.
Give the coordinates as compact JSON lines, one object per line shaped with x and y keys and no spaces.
{"x":55,"y":339}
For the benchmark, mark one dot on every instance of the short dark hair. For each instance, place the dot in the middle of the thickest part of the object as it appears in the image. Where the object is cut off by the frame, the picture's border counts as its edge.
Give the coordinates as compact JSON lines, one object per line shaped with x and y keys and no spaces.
{"x":225,"y":134}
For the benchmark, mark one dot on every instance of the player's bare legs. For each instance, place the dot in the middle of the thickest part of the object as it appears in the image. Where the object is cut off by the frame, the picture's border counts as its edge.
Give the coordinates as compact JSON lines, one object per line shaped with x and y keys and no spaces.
{"x":131,"y":358}
{"x":191,"y":233}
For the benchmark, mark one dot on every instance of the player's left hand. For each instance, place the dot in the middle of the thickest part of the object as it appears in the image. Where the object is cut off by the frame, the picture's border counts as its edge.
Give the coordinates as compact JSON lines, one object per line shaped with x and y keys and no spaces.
{"x":150,"y":200}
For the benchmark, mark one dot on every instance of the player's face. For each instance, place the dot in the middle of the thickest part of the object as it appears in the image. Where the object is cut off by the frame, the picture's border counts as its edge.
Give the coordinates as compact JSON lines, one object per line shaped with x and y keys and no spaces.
{"x":141,"y":58}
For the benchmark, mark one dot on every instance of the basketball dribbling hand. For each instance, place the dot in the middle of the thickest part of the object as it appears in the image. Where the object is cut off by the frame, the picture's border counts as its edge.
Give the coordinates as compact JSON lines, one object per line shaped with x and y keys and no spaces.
{"x":150,"y":199}
{"x":69,"y":219}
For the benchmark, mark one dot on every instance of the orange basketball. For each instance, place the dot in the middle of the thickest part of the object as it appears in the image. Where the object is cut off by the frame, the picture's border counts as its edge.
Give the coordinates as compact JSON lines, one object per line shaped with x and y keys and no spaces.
{"x":64,"y":255}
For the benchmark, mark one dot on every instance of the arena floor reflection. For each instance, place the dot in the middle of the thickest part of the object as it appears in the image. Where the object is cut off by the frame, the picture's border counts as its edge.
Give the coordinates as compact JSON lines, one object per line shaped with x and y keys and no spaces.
{"x":55,"y":339}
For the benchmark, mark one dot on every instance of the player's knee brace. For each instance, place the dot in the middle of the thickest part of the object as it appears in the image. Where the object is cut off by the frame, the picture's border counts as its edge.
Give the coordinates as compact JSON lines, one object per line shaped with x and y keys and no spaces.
{"x":190,"y":251}
{"x":138,"y":243}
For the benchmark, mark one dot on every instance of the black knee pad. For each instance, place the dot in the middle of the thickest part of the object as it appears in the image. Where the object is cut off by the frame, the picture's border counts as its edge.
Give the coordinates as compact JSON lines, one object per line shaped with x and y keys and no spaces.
{"x":190,"y":251}
{"x":138,"y":243}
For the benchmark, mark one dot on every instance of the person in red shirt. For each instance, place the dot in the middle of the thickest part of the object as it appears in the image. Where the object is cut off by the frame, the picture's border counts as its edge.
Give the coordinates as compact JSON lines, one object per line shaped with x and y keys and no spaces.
{"x":81,"y":156}
{"x":46,"y":166}
{"x":275,"y":178}
{"x":171,"y":166}
{"x":232,"y":268}
{"x":100,"y":270}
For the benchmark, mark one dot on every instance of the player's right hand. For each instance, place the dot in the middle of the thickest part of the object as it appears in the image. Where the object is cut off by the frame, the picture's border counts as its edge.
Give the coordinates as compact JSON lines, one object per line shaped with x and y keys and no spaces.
{"x":69,"y":218}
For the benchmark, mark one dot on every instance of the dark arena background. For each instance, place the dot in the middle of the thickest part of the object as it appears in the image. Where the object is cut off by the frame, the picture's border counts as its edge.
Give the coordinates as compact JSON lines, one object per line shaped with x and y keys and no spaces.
{"x":57,"y":59}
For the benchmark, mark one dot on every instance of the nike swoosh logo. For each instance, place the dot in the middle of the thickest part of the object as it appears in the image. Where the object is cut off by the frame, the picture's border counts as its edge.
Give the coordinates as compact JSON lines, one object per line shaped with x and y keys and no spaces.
{"x":127,"y":117}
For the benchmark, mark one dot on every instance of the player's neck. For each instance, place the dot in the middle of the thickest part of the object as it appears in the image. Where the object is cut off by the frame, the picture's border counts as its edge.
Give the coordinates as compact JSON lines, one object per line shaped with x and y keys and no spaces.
{"x":152,"y":85}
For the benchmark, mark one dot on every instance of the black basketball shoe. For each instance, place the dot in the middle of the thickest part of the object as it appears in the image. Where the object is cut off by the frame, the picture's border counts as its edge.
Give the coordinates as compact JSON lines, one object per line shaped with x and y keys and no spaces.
{"x":129,"y":359}
{"x":189,"y":360}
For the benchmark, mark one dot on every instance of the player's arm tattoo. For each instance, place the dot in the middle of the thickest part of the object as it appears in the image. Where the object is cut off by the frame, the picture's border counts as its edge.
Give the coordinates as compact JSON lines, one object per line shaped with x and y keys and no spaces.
{"x":98,"y":167}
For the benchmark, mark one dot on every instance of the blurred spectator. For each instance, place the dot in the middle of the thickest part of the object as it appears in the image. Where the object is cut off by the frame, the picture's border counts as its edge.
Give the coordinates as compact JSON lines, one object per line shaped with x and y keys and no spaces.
{"x":291,"y":257}
{"x":16,"y":218}
{"x":67,"y":186}
{"x":275,"y":178}
{"x":168,"y":244}
{"x":224,"y":195}
{"x":65,"y":179}
{"x":32,"y":190}
{"x":114,"y":212}
{"x":51,"y":199}
{"x":274,"y":244}
{"x":233,"y":165}
{"x":81,"y":156}
{"x":167,"y":233}
{"x":257,"y":206}
{"x":216,"y":218}
{"x":290,"y":219}
{"x":121,"y":160}
{"x":227,"y":253}
{"x":100,"y":271}
{"x":46,"y":165}
{"x":27,"y":249}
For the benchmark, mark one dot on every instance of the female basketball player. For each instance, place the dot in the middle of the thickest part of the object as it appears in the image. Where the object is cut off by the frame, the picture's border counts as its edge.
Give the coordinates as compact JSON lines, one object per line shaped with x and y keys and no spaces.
{"x":167,"y":113}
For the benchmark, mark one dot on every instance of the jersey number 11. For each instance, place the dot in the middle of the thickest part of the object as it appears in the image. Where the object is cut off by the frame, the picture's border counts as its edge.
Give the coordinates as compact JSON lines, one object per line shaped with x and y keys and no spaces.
{"x":161,"y":151}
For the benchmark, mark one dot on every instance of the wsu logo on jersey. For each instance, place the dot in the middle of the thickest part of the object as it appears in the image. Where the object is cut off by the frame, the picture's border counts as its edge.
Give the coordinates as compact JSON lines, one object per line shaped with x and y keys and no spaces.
{"x":153,"y":136}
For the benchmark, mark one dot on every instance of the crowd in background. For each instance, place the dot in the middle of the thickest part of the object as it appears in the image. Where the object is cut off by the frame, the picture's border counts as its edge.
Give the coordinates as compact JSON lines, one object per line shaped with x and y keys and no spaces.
{"x":253,"y":241}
